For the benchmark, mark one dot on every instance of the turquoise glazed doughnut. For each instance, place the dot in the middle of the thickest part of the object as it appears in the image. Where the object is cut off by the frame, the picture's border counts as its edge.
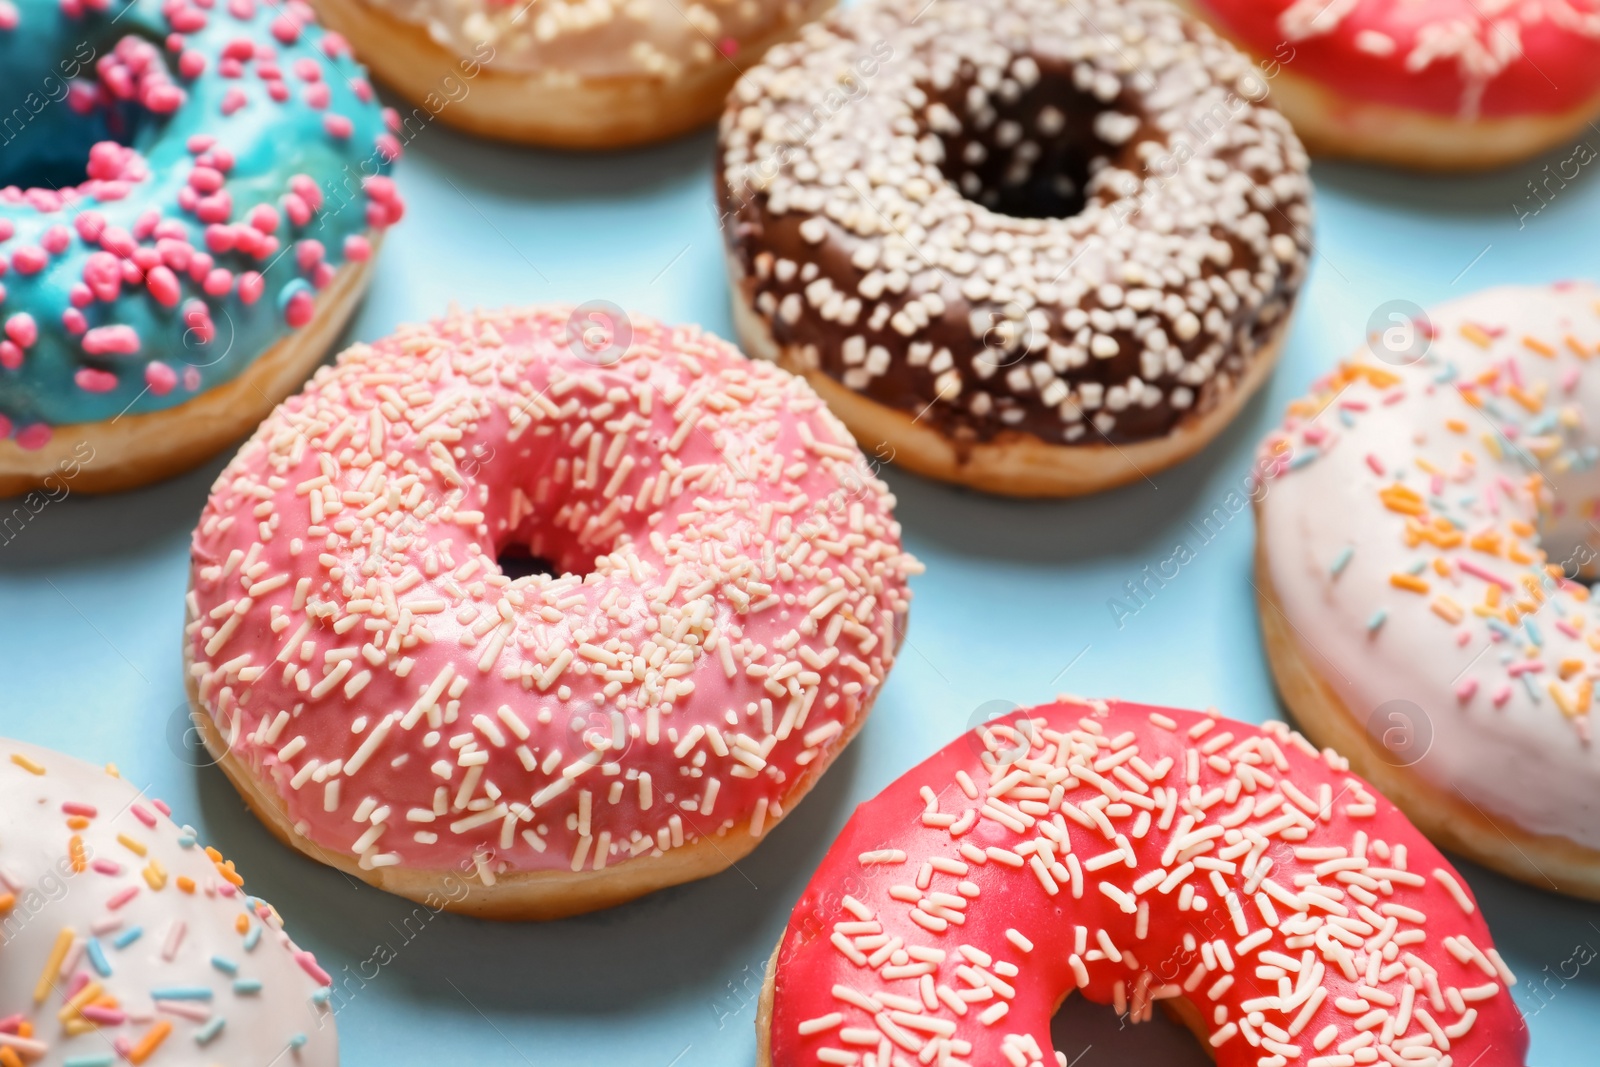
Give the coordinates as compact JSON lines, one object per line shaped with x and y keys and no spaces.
{"x":190,"y":193}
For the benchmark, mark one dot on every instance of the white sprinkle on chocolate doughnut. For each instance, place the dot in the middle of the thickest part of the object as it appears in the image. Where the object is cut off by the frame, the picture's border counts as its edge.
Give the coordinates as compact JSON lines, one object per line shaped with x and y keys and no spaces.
{"x":1077,"y":222}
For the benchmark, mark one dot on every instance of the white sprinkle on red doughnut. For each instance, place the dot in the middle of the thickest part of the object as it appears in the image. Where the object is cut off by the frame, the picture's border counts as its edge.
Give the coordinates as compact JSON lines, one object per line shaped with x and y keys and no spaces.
{"x":1159,"y":854}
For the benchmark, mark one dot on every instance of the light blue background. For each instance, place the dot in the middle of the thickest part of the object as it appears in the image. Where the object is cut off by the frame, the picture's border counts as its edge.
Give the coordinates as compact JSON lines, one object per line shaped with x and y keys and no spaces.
{"x":1013,"y":607}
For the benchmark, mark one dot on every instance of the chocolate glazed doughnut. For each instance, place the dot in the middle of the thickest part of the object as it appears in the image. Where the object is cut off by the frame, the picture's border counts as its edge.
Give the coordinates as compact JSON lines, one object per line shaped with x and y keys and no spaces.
{"x":1032,"y":248}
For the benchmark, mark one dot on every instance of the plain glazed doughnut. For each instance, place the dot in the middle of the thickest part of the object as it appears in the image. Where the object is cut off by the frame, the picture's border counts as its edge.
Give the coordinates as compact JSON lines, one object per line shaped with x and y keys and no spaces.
{"x":127,"y":941}
{"x":1136,"y":855}
{"x":587,"y":74}
{"x":182,"y":232}
{"x":1005,"y":239}
{"x":1426,"y":508}
{"x":728,"y":595}
{"x":1435,"y":84}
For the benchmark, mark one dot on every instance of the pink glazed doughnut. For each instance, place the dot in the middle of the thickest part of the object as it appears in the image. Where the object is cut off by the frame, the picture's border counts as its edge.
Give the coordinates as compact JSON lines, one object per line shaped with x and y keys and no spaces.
{"x":728,"y":595}
{"x":1139,"y":856}
{"x":1435,"y":84}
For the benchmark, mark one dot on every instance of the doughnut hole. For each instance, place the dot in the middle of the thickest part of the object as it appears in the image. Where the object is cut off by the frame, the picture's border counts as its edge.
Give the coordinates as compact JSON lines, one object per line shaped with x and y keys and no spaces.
{"x":550,"y":498}
{"x":517,"y":562}
{"x":1568,"y":520}
{"x":1568,"y":535}
{"x":1094,"y":1035}
{"x":544,"y":542}
{"x":49,"y":134}
{"x":1027,"y":142}
{"x":54,"y":154}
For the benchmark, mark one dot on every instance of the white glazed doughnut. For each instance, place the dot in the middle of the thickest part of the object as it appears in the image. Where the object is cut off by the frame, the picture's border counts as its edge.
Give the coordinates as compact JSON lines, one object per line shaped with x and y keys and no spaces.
{"x":1424,"y":514}
{"x":125,"y":940}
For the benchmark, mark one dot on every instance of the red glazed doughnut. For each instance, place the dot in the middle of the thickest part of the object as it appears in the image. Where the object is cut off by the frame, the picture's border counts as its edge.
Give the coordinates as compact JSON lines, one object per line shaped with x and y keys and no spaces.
{"x":727,"y":598}
{"x":1439,"y":84}
{"x":1136,"y":855}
